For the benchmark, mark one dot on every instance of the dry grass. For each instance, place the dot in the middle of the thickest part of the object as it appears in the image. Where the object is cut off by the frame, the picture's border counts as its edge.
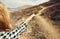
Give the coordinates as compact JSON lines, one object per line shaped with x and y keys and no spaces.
{"x":38,"y":28}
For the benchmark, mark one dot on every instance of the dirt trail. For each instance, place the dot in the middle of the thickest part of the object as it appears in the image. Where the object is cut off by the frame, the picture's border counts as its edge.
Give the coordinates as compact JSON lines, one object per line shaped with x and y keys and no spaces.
{"x":44,"y":8}
{"x":47,"y":27}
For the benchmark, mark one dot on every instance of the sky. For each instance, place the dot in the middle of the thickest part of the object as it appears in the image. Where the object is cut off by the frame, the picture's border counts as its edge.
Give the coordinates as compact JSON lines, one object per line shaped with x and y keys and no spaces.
{"x":19,"y":3}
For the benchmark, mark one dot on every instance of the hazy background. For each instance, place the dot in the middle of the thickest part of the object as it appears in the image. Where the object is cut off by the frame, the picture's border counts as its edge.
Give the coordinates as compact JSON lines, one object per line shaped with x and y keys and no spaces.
{"x":19,"y":3}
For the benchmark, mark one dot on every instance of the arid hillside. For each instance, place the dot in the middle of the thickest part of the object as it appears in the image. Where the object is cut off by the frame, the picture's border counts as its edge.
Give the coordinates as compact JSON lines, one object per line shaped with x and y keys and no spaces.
{"x":45,"y":25}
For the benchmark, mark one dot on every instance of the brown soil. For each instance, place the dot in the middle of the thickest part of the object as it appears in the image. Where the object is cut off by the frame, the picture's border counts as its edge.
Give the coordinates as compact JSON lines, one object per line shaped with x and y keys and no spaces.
{"x":38,"y":27}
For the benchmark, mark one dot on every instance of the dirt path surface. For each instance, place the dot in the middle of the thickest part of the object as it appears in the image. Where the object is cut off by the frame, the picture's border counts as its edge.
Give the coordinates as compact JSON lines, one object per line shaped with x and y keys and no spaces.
{"x":40,"y":28}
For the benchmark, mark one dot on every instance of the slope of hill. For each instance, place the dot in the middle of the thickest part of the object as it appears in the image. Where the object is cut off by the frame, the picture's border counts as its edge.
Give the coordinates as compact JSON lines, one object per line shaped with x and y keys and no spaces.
{"x":24,"y":7}
{"x":18,"y":8}
{"x":36,"y":31}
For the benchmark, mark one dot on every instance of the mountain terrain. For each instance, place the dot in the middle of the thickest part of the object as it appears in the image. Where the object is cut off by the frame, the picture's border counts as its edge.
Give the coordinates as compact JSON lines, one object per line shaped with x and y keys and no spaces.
{"x":44,"y":26}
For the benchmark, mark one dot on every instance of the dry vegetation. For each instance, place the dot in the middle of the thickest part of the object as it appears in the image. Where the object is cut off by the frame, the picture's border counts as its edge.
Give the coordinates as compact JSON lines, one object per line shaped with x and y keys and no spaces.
{"x":44,"y":26}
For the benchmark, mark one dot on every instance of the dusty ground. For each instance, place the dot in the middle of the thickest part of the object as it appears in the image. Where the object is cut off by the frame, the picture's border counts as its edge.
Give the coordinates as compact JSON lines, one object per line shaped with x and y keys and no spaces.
{"x":40,"y":27}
